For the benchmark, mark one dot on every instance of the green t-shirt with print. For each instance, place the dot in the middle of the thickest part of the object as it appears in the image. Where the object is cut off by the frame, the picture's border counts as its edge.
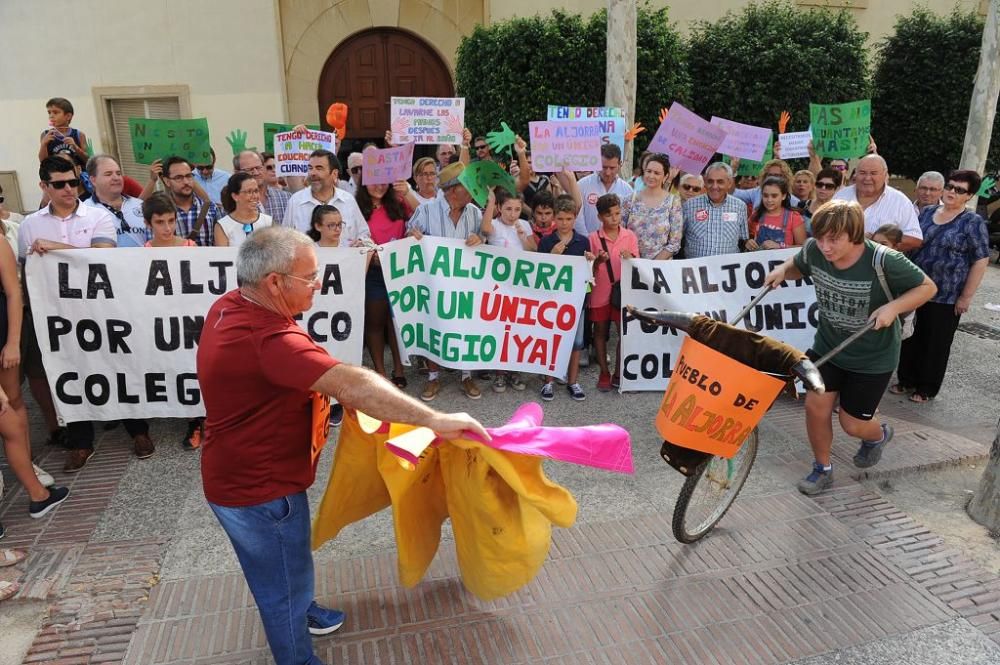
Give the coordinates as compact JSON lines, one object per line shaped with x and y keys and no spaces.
{"x":847,"y":298}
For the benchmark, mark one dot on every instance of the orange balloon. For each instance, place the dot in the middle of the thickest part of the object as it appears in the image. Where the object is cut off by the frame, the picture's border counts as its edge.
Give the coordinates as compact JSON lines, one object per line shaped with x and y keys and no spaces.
{"x":336,"y":117}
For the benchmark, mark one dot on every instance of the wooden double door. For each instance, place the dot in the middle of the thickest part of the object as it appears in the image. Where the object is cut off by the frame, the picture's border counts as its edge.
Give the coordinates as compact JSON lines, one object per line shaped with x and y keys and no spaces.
{"x":367,"y":69}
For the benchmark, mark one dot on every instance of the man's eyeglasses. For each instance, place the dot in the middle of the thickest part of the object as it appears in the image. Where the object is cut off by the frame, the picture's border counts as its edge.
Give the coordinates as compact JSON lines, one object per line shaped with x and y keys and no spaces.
{"x":311,"y":280}
{"x":254,"y":169}
{"x":823,"y":184}
{"x":355,"y":170}
{"x":179,"y":178}
{"x":205,"y":167}
{"x":481,"y":147}
{"x":955,"y":188}
{"x":59,"y":184}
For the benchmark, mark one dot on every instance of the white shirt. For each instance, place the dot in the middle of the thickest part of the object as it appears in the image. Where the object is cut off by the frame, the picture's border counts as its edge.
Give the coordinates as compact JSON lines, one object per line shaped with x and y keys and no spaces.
{"x":427,"y":199}
{"x":10,"y":227}
{"x":301,"y":204}
{"x":433,"y":219}
{"x":891,"y":208}
{"x":131,"y":225}
{"x":85,"y":226}
{"x":234,"y":228}
{"x":591,"y":189}
{"x":506,"y":236}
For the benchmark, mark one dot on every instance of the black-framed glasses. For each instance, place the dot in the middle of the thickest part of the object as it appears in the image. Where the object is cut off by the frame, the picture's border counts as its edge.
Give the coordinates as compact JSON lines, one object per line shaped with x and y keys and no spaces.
{"x":955,"y":188}
{"x":355,"y":170}
{"x":59,"y":184}
{"x":481,"y":147}
{"x":825,"y":185}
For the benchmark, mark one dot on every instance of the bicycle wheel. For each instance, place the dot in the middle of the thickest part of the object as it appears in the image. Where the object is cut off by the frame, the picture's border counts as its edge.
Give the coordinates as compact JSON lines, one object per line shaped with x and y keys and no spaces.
{"x":709,"y":492}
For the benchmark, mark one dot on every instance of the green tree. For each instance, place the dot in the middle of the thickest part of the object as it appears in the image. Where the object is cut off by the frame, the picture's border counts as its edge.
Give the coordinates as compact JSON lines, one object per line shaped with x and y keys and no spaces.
{"x":512,"y":70}
{"x":923,"y":83}
{"x":751,"y":65}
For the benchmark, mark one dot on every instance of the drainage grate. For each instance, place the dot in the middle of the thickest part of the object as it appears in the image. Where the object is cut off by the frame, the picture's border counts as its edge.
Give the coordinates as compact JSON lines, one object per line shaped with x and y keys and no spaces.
{"x":980,"y":330}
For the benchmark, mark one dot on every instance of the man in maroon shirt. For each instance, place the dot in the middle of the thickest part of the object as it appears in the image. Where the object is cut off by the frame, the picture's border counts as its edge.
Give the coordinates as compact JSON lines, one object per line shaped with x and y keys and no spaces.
{"x":266,"y":386}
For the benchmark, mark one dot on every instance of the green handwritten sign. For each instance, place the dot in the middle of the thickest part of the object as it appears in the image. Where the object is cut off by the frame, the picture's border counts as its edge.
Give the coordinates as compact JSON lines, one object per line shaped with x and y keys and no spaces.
{"x":158,"y":139}
{"x":272,"y":128}
{"x":749,"y":166}
{"x":841,"y":131}
{"x":479,"y":177}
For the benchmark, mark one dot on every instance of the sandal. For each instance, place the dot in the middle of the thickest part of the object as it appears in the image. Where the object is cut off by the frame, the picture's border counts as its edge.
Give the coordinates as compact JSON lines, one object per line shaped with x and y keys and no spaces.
{"x":8,"y":590}
{"x":9,"y":557}
{"x":919,"y":398}
{"x":900,"y":389}
{"x":400,"y":382}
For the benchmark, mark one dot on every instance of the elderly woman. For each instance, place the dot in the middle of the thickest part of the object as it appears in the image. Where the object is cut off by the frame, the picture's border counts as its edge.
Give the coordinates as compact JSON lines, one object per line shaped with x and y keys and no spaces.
{"x":654,"y":214}
{"x":240,"y":198}
{"x":954,"y":255}
{"x":425,"y":173}
{"x":691,"y":185}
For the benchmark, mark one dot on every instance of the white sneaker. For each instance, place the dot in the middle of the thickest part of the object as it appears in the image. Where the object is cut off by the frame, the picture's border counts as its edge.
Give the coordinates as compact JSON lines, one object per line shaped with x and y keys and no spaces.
{"x":44,"y":478}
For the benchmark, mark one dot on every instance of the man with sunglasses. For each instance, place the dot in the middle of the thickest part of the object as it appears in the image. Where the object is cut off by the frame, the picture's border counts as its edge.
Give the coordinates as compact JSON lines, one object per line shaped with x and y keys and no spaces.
{"x":482,"y":150}
{"x":65,"y":223}
{"x":211,"y":179}
{"x":353,"y":183}
{"x":883,"y":204}
{"x":273,"y":200}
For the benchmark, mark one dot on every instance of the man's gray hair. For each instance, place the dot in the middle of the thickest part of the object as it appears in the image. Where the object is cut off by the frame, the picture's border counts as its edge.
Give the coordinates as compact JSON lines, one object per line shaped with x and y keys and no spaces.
{"x":94,"y":163}
{"x":876,"y":157}
{"x":720,"y":166}
{"x":236,"y":158}
{"x":931,"y":177}
{"x":271,"y":249}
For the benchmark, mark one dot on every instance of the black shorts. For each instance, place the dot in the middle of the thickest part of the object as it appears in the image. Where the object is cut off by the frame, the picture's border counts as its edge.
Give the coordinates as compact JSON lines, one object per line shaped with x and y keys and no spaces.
{"x":860,"y":393}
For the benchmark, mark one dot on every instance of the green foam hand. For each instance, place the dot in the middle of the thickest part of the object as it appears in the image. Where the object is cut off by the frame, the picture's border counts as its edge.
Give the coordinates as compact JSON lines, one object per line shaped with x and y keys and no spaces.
{"x":499,"y":141}
{"x":90,"y":147}
{"x":237,"y":140}
{"x":986,"y":187}
{"x":479,"y":177}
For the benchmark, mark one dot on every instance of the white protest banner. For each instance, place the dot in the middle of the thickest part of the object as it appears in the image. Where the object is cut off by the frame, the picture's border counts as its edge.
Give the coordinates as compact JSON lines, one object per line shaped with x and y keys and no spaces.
{"x":555,"y":145}
{"x":291,"y":149}
{"x":610,"y":118}
{"x":484,"y":307}
{"x":427,"y":119}
{"x":795,"y":145}
{"x":386,"y":166}
{"x":743,"y":141}
{"x":717,"y":286}
{"x":687,"y":138}
{"x":119,"y":328}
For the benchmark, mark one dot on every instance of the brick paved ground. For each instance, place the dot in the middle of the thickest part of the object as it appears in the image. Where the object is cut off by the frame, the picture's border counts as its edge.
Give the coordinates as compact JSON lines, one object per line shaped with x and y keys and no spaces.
{"x":133,"y":568}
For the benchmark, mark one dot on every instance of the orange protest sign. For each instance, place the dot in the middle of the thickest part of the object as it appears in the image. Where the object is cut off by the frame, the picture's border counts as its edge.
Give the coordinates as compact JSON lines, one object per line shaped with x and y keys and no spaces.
{"x":713,"y":402}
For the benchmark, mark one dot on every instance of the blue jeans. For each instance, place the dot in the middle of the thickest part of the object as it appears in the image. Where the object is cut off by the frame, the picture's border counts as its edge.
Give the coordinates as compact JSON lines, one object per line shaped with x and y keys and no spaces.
{"x":272,"y":542}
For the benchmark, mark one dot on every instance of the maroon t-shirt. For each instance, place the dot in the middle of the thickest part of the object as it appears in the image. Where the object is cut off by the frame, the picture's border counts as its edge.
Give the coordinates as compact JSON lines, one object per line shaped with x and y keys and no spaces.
{"x":256,"y":368}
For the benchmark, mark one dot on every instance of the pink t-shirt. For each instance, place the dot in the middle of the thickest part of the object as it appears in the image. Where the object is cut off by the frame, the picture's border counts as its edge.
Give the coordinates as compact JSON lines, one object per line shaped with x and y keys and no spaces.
{"x":385,"y":230}
{"x":600,"y":296}
{"x":773,"y":221}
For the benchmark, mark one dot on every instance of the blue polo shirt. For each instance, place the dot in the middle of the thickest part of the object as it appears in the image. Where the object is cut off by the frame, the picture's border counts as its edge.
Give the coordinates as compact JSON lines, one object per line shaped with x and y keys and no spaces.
{"x":576,"y":247}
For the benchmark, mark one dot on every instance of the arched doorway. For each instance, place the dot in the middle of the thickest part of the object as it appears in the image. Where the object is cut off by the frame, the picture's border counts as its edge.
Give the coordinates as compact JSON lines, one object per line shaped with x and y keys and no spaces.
{"x":370,"y":67}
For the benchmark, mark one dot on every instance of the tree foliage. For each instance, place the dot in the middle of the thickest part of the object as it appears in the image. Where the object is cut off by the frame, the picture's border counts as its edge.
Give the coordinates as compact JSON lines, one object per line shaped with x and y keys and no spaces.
{"x":923,"y":84}
{"x":751,"y":65}
{"x":512,"y":70}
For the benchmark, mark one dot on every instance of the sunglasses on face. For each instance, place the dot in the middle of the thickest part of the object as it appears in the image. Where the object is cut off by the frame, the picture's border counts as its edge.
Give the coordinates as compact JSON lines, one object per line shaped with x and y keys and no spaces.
{"x":955,"y":188}
{"x":355,"y":170}
{"x":480,"y":147}
{"x":691,"y":188}
{"x":825,"y":185}
{"x":59,"y":184}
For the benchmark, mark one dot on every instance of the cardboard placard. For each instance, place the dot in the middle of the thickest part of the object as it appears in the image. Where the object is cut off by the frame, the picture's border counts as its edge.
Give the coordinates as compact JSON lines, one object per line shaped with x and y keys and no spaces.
{"x":427,"y":119}
{"x":687,"y":138}
{"x":610,"y":118}
{"x":713,"y":402}
{"x":158,"y":139}
{"x":743,"y":141}
{"x":386,"y":166}
{"x":841,"y":131}
{"x":291,"y":150}
{"x":556,"y":145}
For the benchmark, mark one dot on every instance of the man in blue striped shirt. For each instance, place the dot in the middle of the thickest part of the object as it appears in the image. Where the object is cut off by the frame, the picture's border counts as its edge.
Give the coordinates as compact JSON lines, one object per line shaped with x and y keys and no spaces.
{"x":715,"y":222}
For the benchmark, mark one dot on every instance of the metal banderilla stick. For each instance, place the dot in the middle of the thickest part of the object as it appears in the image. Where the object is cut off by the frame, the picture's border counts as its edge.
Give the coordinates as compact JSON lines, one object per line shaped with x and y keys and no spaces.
{"x":756,"y":299}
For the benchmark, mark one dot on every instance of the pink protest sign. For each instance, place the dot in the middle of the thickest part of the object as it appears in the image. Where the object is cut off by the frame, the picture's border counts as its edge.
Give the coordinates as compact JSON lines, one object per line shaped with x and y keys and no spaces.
{"x":743,"y":141}
{"x":687,"y":138}
{"x":555,"y":145}
{"x":384,"y":167}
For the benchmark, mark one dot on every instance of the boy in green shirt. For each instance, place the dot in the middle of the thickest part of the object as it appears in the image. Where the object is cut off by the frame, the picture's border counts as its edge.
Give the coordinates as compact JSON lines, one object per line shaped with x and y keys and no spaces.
{"x":841,"y":264}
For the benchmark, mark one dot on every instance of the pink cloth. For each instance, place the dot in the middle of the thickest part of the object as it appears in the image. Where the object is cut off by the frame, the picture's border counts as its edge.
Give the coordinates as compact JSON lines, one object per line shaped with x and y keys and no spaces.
{"x":606,"y":446}
{"x":385,"y":230}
